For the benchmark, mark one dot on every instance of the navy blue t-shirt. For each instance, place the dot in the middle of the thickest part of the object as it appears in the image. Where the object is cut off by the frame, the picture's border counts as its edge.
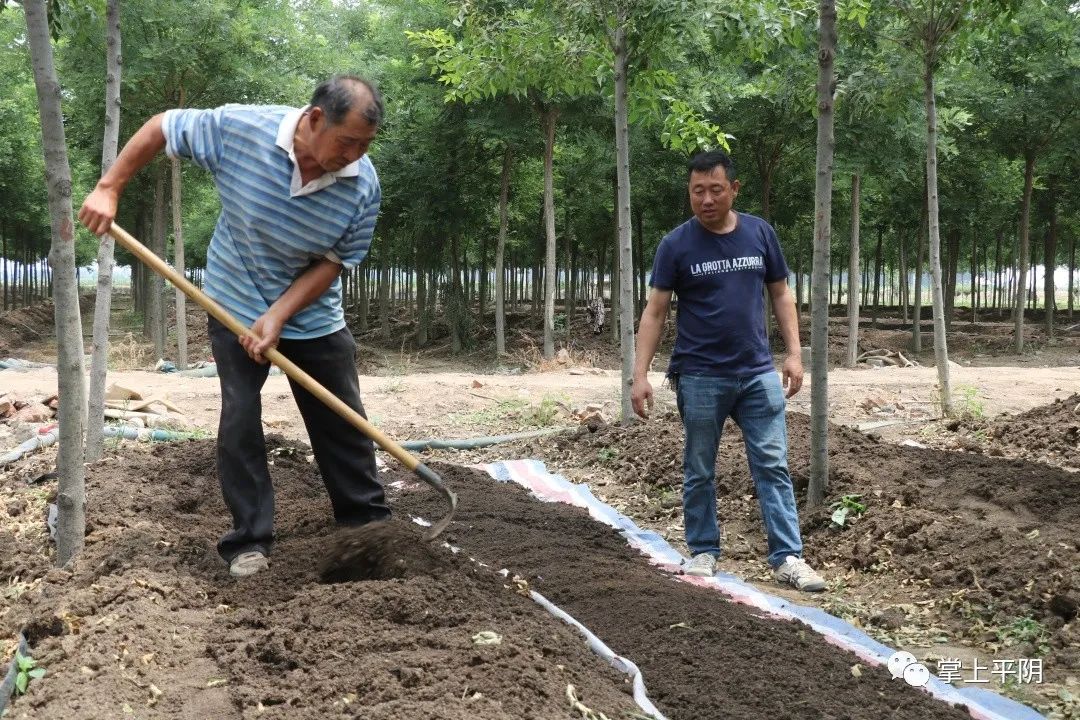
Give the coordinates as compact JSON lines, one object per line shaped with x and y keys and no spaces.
{"x":719,"y":280}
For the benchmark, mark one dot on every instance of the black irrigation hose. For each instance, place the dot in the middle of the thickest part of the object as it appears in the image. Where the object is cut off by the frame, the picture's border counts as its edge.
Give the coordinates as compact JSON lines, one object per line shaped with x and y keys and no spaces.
{"x":478,"y":442}
{"x":7,"y":687}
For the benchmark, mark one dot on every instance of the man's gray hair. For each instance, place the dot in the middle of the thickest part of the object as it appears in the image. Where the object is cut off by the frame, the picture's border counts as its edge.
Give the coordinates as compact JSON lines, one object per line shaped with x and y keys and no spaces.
{"x":338,"y":95}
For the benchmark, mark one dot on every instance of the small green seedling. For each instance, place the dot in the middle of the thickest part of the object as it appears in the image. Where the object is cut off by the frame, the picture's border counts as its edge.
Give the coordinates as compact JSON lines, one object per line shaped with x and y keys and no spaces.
{"x":847,"y":505}
{"x":28,"y":670}
{"x":606,"y":455}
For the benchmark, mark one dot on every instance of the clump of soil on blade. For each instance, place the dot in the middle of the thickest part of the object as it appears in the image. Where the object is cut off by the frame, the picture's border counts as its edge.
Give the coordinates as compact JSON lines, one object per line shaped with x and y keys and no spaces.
{"x":378,"y":551}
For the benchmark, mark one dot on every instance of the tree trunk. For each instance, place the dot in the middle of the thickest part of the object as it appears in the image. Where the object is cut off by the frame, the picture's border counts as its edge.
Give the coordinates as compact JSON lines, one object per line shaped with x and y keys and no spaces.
{"x":455,"y":306}
{"x":71,"y":494}
{"x":819,"y":330}
{"x":941,"y":354}
{"x":1072,"y":272}
{"x":905,"y":294}
{"x":5,"y":262}
{"x":1025,"y":252}
{"x":975,"y":296}
{"x":156,"y":305}
{"x":178,"y":254}
{"x":1050,"y":259}
{"x":877,"y":277}
{"x":421,"y":305}
{"x":951,"y":275}
{"x":853,"y":275}
{"x":920,"y":248}
{"x":799,"y":281}
{"x":995,"y":289}
{"x":363,"y":298}
{"x":500,"y":253}
{"x":384,"y":300}
{"x":614,"y":291}
{"x":548,"y":118}
{"x":95,"y":413}
{"x":643,"y":289}
{"x":622,"y":165}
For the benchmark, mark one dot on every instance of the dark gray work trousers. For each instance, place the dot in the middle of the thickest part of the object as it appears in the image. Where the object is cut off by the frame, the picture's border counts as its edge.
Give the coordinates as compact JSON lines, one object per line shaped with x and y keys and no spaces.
{"x":346,"y":458}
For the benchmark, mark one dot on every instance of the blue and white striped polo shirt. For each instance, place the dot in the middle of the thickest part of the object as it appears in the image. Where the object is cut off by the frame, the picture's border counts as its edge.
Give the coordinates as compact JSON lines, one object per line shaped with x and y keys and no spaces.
{"x":269,"y":232}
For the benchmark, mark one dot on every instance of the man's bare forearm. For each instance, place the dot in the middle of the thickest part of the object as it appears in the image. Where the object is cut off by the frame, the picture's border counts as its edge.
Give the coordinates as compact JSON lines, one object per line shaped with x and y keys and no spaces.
{"x":788,"y":320}
{"x":306,"y":289}
{"x":143,"y":146}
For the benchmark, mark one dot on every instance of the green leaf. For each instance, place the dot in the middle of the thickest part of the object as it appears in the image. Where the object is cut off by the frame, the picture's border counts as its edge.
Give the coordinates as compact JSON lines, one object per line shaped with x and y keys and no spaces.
{"x":21,"y":681}
{"x":25,"y":662}
{"x":37,"y":673}
{"x":839,"y":516}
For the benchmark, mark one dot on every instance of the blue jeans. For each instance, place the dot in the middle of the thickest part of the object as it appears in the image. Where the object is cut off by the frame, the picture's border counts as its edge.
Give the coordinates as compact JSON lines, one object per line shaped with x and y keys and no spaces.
{"x":757,"y":405}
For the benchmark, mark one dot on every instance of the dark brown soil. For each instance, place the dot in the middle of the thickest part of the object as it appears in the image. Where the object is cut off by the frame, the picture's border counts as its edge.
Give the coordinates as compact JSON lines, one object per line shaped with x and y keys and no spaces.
{"x":1050,"y":433}
{"x":149,"y":624}
{"x":701,"y":656}
{"x":21,"y":326}
{"x":995,"y":538}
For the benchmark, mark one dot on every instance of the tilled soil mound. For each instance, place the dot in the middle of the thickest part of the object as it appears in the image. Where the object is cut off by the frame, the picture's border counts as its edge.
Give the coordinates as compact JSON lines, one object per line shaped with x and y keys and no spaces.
{"x":149,"y":624}
{"x":995,"y":538}
{"x":1050,"y":433}
{"x":701,"y":656}
{"x":23,"y":325}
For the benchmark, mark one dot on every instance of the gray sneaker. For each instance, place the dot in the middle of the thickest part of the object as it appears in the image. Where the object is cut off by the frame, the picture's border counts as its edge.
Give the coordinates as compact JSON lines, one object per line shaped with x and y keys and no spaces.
{"x":795,"y":572}
{"x":702,"y":565}
{"x":248,"y":563}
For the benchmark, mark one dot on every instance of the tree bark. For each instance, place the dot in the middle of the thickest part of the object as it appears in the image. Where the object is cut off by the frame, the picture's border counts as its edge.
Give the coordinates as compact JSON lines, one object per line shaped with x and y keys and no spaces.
{"x":995,"y":289}
{"x":384,"y":300}
{"x":421,"y":304}
{"x":799,"y":281}
{"x":156,"y":305}
{"x":877,"y":277}
{"x":975,"y":295}
{"x":622,"y":165}
{"x":952,"y":270}
{"x":455,"y":306}
{"x":819,"y":331}
{"x":1072,"y":272}
{"x":904,"y":289}
{"x":4,"y":260}
{"x":1050,"y":258}
{"x":853,"y":275}
{"x":363,"y":297}
{"x":95,"y":413}
{"x":941,"y":354}
{"x":178,"y":255}
{"x":71,"y":494}
{"x":643,"y":288}
{"x":500,"y":253}
{"x":548,"y":118}
{"x":920,"y":247}
{"x":1025,"y":252}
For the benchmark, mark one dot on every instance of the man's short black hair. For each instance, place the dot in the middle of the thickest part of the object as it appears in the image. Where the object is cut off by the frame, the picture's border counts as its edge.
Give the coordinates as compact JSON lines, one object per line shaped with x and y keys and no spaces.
{"x":709,"y":160}
{"x":338,"y":95}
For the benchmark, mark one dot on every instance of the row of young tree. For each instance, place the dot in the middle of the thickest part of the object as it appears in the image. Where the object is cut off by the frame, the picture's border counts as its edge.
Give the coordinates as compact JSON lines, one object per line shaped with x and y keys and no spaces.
{"x":516,"y":131}
{"x":497,"y":93}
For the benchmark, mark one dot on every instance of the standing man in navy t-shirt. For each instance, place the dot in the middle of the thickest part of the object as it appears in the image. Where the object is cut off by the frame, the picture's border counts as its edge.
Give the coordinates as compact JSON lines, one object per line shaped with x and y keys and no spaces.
{"x":719,"y":262}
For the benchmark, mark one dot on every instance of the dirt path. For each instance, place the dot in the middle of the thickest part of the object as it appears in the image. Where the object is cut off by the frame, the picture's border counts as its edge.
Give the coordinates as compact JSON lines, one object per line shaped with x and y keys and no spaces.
{"x":450,"y":404}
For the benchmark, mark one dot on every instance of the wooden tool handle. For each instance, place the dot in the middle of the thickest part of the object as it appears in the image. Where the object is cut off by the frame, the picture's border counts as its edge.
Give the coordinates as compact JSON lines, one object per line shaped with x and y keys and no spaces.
{"x":287,"y":366}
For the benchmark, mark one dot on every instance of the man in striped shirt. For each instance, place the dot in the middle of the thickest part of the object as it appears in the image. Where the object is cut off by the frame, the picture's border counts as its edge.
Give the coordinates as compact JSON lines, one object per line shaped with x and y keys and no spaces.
{"x":299,"y":201}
